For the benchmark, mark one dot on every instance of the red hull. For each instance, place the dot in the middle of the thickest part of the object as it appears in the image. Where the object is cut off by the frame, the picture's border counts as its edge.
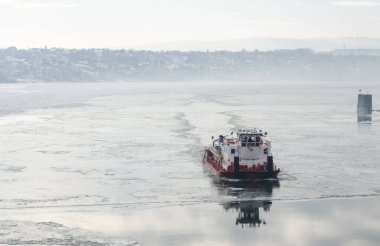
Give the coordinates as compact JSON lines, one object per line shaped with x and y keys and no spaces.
{"x":218,"y":170}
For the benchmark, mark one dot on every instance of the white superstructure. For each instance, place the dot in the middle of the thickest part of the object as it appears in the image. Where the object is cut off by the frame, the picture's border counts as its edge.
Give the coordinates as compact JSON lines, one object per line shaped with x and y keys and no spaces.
{"x":250,"y":145}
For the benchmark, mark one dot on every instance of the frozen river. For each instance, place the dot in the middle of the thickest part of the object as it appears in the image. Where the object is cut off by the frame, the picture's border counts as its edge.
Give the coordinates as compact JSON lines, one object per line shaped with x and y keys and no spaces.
{"x":104,"y":147}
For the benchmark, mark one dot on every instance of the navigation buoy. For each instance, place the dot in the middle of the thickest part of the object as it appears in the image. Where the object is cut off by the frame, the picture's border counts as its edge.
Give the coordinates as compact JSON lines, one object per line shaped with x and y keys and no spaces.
{"x":364,"y":109}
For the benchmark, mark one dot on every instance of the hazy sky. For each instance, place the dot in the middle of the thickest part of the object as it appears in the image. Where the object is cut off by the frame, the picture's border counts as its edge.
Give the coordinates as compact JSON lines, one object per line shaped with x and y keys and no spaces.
{"x":119,"y":23}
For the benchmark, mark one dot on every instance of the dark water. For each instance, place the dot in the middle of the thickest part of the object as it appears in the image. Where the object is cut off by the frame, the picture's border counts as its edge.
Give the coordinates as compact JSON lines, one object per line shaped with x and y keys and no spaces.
{"x":123,"y":159}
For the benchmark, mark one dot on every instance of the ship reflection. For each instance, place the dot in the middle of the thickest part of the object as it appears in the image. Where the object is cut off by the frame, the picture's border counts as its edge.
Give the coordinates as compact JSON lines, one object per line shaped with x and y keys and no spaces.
{"x":248,"y":212}
{"x":250,"y":198}
{"x":246,"y":190}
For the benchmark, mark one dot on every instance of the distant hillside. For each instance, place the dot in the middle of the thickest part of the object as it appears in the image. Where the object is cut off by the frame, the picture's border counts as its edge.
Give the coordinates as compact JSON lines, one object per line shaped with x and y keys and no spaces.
{"x":49,"y":65}
{"x":250,"y":44}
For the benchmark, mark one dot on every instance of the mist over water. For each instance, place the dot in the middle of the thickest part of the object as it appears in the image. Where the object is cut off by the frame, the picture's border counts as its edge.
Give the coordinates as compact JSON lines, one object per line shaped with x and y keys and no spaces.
{"x":139,"y":145}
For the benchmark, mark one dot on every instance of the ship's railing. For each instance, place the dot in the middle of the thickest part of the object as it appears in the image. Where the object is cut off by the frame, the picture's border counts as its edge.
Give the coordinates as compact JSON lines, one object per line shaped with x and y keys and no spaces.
{"x":212,"y":161}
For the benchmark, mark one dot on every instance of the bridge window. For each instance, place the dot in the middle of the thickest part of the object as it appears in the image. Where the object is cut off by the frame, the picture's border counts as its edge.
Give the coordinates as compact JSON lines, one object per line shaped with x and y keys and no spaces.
{"x":250,"y":140}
